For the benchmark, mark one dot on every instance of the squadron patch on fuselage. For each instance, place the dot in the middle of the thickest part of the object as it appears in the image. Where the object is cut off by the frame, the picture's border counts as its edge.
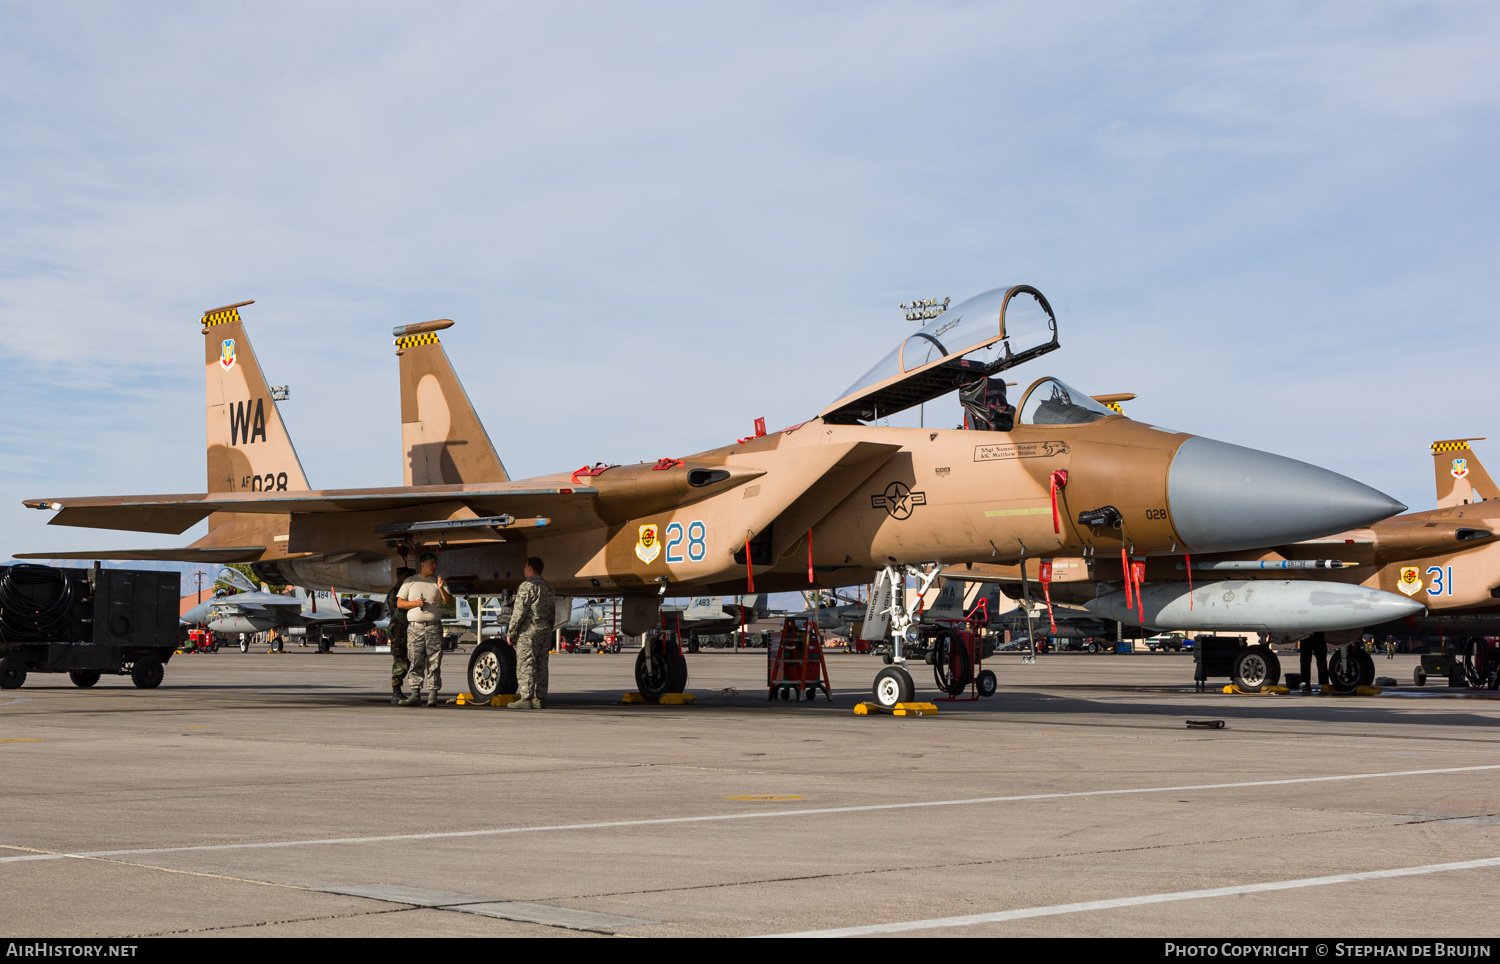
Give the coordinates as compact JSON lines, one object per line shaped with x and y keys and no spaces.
{"x":1460,"y":468}
{"x":1020,"y":450}
{"x":648,"y":547}
{"x":226,"y":354}
{"x":898,"y":500}
{"x":1410,"y":581}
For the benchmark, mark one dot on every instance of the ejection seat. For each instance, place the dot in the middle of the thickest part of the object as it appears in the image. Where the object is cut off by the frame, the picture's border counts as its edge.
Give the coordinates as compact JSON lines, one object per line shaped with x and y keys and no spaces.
{"x":985,"y":406}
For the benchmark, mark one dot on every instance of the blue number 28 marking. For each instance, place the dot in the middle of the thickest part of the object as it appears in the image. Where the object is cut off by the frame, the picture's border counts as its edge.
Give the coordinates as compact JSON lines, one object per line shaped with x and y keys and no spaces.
{"x":1442,"y":583}
{"x":696,"y":535}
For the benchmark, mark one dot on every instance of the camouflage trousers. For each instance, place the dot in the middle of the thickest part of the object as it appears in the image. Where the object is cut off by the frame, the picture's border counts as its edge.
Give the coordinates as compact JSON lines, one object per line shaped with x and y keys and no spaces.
{"x":531,"y":666}
{"x":424,"y":648}
{"x":399,"y":665}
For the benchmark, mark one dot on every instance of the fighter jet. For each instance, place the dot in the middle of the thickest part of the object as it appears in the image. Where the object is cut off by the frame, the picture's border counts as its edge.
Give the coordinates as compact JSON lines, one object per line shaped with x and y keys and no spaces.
{"x":823,"y":503}
{"x":237,"y":607}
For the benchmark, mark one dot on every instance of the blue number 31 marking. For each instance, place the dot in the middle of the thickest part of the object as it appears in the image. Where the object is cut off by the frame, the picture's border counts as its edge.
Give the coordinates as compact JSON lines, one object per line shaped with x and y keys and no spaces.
{"x":1442,"y":582}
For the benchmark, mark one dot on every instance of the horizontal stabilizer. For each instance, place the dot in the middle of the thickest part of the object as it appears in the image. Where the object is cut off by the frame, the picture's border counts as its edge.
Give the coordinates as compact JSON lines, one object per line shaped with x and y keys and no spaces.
{"x":176,"y":513}
{"x":184,"y":554}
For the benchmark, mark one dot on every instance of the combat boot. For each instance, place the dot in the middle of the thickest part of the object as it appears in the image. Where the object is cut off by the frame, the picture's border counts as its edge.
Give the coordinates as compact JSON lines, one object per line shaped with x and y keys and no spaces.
{"x":413,"y":699}
{"x":396,"y":695}
{"x":432,"y":698}
{"x":522,"y":704}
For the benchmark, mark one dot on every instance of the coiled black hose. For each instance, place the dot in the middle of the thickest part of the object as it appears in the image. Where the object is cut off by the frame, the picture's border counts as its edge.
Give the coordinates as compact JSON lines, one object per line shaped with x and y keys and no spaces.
{"x":21,"y":617}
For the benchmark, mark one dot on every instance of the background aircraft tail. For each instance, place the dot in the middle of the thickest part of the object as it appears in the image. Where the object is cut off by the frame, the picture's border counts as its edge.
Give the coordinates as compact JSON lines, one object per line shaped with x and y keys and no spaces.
{"x":1460,"y":476}
{"x":248,"y":445}
{"x":442,"y":440}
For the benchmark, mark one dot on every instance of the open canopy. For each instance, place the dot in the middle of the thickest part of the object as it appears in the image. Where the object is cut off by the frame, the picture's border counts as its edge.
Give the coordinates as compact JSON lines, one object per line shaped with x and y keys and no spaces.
{"x":976,"y":338}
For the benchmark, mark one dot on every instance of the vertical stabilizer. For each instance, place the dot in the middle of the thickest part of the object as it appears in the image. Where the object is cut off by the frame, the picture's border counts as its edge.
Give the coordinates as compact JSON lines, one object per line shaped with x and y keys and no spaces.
{"x":1461,"y":479}
{"x":442,"y":440}
{"x":248,"y":445}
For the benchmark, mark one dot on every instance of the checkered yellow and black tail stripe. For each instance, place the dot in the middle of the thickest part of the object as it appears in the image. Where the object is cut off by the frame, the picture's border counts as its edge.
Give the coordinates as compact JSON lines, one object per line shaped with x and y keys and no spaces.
{"x":221,"y":317}
{"x":1452,"y":445}
{"x":412,"y":341}
{"x":224,"y":315}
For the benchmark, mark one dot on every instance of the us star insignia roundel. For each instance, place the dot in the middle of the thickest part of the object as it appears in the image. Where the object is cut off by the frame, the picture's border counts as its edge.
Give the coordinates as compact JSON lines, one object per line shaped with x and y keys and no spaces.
{"x":1460,"y":468}
{"x":648,"y":547}
{"x":1410,"y":581}
{"x":226,"y":354}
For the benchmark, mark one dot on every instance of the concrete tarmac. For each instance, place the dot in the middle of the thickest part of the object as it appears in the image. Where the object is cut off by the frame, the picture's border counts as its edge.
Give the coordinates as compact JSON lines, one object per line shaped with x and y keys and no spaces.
{"x":284,"y":795}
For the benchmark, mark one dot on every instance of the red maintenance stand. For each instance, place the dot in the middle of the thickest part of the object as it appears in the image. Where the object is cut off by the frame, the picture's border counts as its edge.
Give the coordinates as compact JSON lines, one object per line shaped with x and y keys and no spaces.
{"x":794,"y":661}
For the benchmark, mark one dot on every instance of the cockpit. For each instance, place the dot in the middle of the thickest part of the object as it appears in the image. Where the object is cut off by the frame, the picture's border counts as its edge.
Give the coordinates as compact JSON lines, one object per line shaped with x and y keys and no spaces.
{"x":963,"y":350}
{"x":1052,"y":402}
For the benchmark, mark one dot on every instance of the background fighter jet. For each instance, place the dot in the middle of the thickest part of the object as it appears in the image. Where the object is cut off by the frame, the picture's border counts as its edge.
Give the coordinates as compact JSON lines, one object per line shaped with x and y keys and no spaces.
{"x":822,"y":504}
{"x":238,"y":607}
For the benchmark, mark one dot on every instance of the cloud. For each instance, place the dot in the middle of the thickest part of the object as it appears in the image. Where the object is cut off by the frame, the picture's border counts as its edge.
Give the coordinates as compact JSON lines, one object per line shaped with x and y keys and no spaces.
{"x":655,"y":223}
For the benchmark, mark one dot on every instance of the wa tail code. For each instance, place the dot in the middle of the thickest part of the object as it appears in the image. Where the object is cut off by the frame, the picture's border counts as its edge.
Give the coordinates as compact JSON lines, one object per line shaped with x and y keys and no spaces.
{"x":243,"y":424}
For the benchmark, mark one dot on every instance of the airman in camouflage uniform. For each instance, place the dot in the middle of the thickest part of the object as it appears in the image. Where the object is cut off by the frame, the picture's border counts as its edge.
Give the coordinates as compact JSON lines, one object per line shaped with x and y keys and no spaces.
{"x":531,"y":634}
{"x":422,"y":596}
{"x":397,"y":633}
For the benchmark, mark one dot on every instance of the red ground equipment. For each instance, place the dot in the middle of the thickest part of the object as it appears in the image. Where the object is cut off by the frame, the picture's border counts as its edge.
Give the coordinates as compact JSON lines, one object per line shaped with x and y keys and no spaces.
{"x":794,"y":661}
{"x":958,"y":657}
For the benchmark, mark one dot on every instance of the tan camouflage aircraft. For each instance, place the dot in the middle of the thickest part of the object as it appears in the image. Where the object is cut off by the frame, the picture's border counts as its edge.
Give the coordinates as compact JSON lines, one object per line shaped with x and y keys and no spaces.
{"x":1445,"y":559}
{"x":824,"y":503}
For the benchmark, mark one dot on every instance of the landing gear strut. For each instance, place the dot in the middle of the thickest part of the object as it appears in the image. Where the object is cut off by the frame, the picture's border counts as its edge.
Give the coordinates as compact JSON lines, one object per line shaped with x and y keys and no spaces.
{"x":894,"y":684}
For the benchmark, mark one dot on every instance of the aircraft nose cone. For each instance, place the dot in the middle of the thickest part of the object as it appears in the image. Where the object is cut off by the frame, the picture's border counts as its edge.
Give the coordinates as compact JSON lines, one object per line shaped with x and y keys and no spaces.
{"x":1226,"y":497}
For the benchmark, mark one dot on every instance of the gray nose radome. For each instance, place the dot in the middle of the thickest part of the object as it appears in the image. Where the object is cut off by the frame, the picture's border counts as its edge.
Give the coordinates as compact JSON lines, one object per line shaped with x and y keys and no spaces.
{"x":1226,"y":497}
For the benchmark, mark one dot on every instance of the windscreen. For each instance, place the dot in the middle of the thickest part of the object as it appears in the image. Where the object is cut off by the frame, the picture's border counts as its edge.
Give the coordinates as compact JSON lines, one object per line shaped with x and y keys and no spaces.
{"x":1051,"y":402}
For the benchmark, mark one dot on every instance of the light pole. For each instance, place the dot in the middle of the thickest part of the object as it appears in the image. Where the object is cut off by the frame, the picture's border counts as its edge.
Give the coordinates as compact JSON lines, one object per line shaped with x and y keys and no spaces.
{"x":924,"y":310}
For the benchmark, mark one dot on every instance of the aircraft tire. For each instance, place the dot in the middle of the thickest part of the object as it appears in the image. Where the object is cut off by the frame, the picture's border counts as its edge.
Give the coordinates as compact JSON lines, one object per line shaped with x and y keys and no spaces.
{"x":893,"y":685}
{"x":147,"y":672}
{"x":1343,"y":674}
{"x":1419,"y":676}
{"x":84,"y":678}
{"x":12,"y":673}
{"x":987,"y":683}
{"x":244,"y":643}
{"x":1366,"y":664}
{"x":492,"y":670}
{"x":1255,"y":668}
{"x":660,"y":673}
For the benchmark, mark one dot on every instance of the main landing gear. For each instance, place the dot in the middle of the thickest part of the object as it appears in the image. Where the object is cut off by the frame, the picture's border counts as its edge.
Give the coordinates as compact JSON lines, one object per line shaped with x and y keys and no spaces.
{"x":492,"y":670}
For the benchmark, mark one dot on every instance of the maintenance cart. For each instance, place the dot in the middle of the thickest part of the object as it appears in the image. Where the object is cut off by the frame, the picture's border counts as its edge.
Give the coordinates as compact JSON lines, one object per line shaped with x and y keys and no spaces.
{"x":86,"y":622}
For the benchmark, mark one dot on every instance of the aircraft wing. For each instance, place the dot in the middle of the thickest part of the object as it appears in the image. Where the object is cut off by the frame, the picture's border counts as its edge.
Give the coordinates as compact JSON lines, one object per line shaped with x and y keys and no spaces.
{"x":176,"y":513}
{"x":183,"y":554}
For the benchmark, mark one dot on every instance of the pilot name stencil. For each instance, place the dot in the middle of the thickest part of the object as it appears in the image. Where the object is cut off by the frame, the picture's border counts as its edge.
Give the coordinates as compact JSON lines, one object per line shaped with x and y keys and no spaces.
{"x":1020,"y":450}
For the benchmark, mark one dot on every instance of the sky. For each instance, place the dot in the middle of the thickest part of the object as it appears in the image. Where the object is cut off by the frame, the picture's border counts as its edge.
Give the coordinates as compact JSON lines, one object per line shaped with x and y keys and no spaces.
{"x":654,"y":223}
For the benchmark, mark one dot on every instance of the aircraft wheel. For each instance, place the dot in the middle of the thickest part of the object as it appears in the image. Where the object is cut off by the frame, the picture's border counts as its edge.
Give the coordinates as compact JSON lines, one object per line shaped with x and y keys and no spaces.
{"x":84,"y":678}
{"x":244,"y":643}
{"x":1255,"y":668}
{"x":12,"y":673}
{"x":492,"y":671}
{"x":147,"y":672}
{"x":1419,"y":676}
{"x":660,"y":673}
{"x":893,"y":685}
{"x":1343,"y":672}
{"x":987,"y":683}
{"x":1093,"y":647}
{"x":1366,"y":664}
